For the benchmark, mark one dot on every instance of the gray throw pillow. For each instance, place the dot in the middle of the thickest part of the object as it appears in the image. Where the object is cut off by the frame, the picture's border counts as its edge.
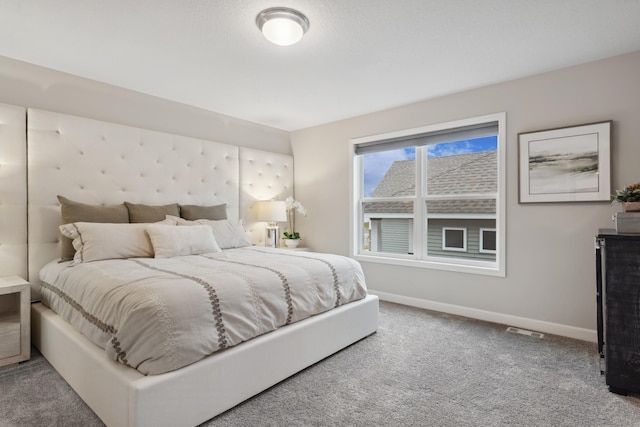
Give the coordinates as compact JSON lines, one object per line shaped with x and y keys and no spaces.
{"x":80,"y":212}
{"x":150,"y":213}
{"x":193,"y":212}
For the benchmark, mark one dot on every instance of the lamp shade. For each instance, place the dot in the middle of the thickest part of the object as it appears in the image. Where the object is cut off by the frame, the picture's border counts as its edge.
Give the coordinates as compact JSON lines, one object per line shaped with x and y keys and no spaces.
{"x":272,"y":211}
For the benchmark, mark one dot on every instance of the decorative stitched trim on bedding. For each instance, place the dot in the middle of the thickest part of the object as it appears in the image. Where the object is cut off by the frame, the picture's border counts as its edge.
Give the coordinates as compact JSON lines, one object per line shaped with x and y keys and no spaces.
{"x":81,"y":241}
{"x":121,"y":355}
{"x":76,"y":306}
{"x":336,"y":285}
{"x":213,"y":298}
{"x":283,"y":279}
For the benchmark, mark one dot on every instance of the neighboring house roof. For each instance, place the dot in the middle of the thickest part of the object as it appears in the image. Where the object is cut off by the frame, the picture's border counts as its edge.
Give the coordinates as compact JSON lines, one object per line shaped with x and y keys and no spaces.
{"x":398,"y":181}
{"x":457,"y":174}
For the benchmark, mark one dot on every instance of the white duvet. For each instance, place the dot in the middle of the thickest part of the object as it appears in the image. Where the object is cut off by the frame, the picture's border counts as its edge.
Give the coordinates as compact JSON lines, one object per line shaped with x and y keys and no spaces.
{"x":157,"y":315}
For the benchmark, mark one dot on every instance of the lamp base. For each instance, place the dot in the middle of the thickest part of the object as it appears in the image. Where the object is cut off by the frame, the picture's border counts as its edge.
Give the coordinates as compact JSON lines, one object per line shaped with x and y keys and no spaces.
{"x":272,"y":237}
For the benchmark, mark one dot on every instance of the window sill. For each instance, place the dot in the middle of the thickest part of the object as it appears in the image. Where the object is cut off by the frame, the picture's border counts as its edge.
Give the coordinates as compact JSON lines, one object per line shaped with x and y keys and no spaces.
{"x":488,"y":269}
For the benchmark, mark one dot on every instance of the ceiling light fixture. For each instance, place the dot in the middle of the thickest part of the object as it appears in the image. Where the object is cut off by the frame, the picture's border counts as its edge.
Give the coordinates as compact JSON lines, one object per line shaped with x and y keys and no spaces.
{"x":282,"y":26}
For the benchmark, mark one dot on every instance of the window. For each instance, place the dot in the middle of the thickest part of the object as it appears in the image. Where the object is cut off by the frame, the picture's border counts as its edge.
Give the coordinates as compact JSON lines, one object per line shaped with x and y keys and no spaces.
{"x":454,"y":239}
{"x":488,"y":240}
{"x":432,"y":197}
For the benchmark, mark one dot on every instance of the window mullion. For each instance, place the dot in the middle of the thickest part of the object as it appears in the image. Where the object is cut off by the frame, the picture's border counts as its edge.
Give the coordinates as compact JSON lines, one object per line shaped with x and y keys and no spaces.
{"x":419,"y":214}
{"x":359,"y":223}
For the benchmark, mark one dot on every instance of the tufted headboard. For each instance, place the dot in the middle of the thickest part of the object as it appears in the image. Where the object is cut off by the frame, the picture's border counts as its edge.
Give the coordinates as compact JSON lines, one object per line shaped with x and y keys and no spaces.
{"x":13,"y":192}
{"x":263,"y":176}
{"x":105,"y":163}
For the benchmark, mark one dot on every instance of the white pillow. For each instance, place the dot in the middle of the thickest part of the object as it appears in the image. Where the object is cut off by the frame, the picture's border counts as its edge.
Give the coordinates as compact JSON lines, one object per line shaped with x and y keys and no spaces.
{"x":95,"y":241}
{"x":228,"y":234}
{"x":168,"y":220}
{"x":169,"y":241}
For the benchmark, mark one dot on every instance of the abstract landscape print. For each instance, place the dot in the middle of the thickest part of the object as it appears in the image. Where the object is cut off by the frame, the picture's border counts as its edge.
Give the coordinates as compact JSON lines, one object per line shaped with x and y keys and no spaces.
{"x":564,"y":164}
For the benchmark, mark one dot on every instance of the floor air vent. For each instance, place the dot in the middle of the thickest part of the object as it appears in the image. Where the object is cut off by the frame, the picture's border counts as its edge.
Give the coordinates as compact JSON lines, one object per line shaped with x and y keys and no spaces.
{"x":524,"y":332}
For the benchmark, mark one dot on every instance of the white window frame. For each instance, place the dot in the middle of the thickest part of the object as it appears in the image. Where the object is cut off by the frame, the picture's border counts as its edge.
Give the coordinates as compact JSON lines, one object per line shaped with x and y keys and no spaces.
{"x":464,"y":239}
{"x":482,"y":250}
{"x":495,"y":268}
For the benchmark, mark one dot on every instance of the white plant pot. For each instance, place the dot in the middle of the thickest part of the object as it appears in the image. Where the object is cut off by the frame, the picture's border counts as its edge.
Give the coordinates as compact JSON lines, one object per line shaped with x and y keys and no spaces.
{"x":292,"y":243}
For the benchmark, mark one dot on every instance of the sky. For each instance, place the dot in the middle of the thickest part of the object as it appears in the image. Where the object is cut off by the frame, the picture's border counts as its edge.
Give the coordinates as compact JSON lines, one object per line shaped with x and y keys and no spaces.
{"x":377,"y":164}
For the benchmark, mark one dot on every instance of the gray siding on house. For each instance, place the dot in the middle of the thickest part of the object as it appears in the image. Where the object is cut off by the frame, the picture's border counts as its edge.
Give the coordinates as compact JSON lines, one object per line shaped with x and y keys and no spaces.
{"x":394,"y":236}
{"x":473,"y":226}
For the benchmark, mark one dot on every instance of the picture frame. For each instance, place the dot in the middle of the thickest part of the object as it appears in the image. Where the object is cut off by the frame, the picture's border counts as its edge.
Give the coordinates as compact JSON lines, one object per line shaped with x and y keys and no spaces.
{"x":569,"y":164}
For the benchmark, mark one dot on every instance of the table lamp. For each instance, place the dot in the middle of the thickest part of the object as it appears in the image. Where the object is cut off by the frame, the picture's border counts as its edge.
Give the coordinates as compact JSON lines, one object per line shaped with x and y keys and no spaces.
{"x":273,"y":212}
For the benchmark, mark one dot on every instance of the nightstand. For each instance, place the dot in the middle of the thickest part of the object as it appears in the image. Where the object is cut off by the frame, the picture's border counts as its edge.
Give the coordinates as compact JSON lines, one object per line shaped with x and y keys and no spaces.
{"x":297,"y":248}
{"x":15,"y":316}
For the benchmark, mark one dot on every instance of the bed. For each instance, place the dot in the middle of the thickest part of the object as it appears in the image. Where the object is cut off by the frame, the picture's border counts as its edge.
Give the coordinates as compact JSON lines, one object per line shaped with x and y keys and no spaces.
{"x":102,"y":163}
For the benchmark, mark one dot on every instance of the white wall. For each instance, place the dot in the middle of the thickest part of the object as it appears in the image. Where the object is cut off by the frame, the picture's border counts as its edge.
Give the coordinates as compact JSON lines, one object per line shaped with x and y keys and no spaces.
{"x":31,"y":86}
{"x":550,"y":282}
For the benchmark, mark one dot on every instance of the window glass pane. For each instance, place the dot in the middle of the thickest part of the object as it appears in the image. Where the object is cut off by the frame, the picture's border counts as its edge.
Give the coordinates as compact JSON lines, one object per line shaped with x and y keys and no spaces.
{"x":390,"y":173}
{"x":454,"y":239}
{"x":462,"y":167}
{"x":388,"y":227}
{"x":489,"y":240}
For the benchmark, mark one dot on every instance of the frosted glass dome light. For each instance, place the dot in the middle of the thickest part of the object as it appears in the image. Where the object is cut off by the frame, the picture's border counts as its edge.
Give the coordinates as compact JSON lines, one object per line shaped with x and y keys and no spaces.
{"x":282,"y":26}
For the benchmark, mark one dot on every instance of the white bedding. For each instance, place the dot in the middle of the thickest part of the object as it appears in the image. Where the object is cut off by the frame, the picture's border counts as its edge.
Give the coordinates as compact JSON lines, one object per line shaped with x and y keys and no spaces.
{"x":157,"y":315}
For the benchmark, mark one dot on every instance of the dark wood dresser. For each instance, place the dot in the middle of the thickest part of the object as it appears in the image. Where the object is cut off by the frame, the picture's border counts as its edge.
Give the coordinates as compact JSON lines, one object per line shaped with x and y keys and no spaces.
{"x":618,"y":298}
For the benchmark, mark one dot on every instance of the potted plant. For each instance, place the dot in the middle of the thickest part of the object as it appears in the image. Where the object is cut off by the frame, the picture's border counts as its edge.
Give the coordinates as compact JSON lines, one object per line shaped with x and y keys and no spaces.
{"x":292,"y":237}
{"x":628,"y":197}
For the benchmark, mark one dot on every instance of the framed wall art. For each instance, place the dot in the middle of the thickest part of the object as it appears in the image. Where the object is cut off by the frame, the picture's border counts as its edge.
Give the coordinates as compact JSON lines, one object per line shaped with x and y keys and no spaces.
{"x":570,"y":164}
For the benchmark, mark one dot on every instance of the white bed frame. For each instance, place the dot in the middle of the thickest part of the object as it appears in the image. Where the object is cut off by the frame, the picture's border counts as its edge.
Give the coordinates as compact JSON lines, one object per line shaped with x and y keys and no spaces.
{"x":121,"y":396}
{"x":103,"y":163}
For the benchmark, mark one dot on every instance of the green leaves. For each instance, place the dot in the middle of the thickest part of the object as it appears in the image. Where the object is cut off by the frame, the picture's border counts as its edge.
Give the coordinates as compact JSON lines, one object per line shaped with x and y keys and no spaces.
{"x":630,"y":193}
{"x":295,"y":235}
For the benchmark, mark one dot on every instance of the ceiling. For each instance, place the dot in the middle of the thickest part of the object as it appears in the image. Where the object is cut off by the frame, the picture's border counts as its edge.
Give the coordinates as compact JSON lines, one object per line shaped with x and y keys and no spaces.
{"x":359,"y":56}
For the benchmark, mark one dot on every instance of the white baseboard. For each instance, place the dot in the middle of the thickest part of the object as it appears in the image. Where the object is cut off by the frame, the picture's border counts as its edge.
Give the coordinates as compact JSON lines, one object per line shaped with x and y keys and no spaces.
{"x":489,"y":316}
